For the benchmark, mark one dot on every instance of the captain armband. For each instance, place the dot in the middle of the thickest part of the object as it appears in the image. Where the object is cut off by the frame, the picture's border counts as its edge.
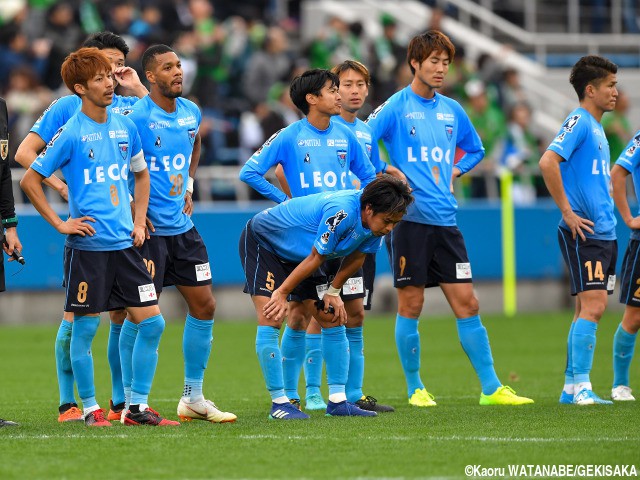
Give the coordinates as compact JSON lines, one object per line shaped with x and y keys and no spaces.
{"x":138,"y":163}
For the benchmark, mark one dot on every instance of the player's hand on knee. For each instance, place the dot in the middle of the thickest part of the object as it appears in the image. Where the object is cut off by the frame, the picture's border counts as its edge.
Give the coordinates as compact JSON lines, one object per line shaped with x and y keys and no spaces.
{"x":139,"y":235}
{"x":77,"y":226}
{"x":340,"y":315}
{"x":276,"y":307}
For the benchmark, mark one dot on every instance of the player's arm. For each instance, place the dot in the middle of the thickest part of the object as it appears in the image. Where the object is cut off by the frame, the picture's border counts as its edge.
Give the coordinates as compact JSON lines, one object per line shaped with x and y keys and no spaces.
{"x":193,"y":166}
{"x":468,"y":141}
{"x":348,"y":268}
{"x":128,"y":78}
{"x":276,"y":307}
{"x":27,"y":152}
{"x":550,"y":168}
{"x":141,"y":195}
{"x":31,"y":184}
{"x":619,"y":176}
{"x":254,"y":170}
{"x":282,"y":179}
{"x":360,"y":164}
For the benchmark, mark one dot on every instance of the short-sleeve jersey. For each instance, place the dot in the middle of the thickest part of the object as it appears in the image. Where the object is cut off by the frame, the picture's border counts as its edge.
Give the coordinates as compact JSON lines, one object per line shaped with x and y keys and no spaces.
{"x":586,"y":176}
{"x":313,"y":160}
{"x":95,"y":159}
{"x":421,"y":136}
{"x":62,"y":109}
{"x":167,"y":142}
{"x":362,"y":131}
{"x":331,"y":222}
{"x":629,"y":159}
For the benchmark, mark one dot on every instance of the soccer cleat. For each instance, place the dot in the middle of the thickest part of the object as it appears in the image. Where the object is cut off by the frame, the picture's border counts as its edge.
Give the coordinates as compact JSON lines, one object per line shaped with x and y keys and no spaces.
{"x":371,"y":404}
{"x":422,"y":398}
{"x":96,"y":419}
{"x":566,"y":398}
{"x":148,"y":417}
{"x":347,"y":409}
{"x":203,"y":410}
{"x":588,"y":397}
{"x":115,"y":411}
{"x":314,"y":402}
{"x":622,"y":393}
{"x":7,"y":423}
{"x":286,"y":411}
{"x":504,"y":396}
{"x":295,"y":402}
{"x":70,"y":413}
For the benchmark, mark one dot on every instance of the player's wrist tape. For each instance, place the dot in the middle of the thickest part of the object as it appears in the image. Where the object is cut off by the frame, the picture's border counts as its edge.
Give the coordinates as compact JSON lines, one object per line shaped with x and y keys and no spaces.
{"x":332,"y":291}
{"x":190,"y":185}
{"x":10,"y":222}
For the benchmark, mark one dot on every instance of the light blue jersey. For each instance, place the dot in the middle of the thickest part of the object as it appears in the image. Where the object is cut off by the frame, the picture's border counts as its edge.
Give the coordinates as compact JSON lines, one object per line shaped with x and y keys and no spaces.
{"x":421,"y":136}
{"x":629,"y":159}
{"x":167,"y":142}
{"x":331,"y":222}
{"x":313,"y":160}
{"x":62,"y":109}
{"x":586,"y":177}
{"x":362,"y":131}
{"x":95,"y":158}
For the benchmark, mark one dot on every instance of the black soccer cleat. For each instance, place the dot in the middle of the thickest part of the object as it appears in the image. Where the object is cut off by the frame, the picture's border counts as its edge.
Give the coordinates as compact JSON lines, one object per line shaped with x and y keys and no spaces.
{"x":148,"y":417}
{"x":371,"y":404}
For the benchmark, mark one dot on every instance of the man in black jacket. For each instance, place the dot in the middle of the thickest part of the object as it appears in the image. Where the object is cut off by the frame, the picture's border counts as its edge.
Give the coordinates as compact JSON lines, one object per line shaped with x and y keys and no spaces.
{"x":8,"y":233}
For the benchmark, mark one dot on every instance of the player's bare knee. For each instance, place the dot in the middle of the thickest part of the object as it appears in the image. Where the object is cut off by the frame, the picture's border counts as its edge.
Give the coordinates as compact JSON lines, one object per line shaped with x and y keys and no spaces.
{"x":355,"y":318}
{"x":118,"y":316}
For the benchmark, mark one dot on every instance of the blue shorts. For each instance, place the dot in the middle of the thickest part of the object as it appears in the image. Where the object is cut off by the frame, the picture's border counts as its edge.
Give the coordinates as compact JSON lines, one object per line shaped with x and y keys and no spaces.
{"x":264,"y":271}
{"x":591,"y":263}
{"x":101,"y":281}
{"x":177,"y":260}
{"x":421,"y":254}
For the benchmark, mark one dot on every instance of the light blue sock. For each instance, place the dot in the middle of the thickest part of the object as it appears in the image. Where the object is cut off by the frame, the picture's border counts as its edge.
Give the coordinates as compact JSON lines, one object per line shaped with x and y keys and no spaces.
{"x":623,"y":346}
{"x":335,"y":351}
{"x":475,"y":342}
{"x":582,"y":349}
{"x":128,"y":335}
{"x":145,"y":358}
{"x":196,"y":348}
{"x":63,"y":363}
{"x":408,"y":344}
{"x":568,"y":371}
{"x":313,"y":363}
{"x":292,"y":347}
{"x":356,"y":364}
{"x":82,"y":333}
{"x":113,"y":354}
{"x":270,"y":360}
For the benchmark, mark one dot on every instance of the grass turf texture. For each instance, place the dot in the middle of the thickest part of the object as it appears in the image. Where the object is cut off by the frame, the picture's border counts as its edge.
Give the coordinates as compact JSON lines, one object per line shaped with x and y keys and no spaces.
{"x":529,"y":353}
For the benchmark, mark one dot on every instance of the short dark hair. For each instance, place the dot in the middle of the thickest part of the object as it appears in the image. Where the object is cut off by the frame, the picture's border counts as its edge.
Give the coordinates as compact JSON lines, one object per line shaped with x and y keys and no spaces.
{"x":590,"y":69}
{"x":387,"y":194}
{"x":423,"y":45}
{"x":150,"y":53}
{"x":102,"y":40}
{"x":355,"y":66}
{"x":311,"y":81}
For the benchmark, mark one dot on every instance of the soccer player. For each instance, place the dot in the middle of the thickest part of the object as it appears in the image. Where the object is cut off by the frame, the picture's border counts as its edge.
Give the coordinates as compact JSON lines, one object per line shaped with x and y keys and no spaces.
{"x":95,"y":151}
{"x":421,"y":129}
{"x":54,"y":117}
{"x":315,"y":155}
{"x":575,"y":168}
{"x":175,"y":253}
{"x":624,"y":340}
{"x":281,"y":250}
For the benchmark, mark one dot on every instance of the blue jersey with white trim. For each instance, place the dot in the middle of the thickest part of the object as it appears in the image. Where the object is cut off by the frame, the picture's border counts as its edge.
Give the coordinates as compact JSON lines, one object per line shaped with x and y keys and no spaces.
{"x":331,"y":222}
{"x":362,"y":131}
{"x":313,"y":160}
{"x":421,"y":136}
{"x":95,"y":158}
{"x":167,"y":142}
{"x":586,"y":176}
{"x":629,"y":159}
{"x":62,"y":109}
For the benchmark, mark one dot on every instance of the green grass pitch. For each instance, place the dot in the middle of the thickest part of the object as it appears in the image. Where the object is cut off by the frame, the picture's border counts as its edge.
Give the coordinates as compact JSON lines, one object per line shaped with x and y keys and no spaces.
{"x":529,"y":352}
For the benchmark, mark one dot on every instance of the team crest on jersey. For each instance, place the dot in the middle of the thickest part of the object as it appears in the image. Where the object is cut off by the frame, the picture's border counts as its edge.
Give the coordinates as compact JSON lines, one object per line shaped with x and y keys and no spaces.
{"x":412,"y":132}
{"x":307,"y":158}
{"x":334,"y":221}
{"x":125,"y":111}
{"x":636,"y":143}
{"x":367,"y":146}
{"x":158,"y":143}
{"x":325,"y":238}
{"x":570,"y":123}
{"x":124,"y":149}
{"x":449,"y":131}
{"x":342,"y":157}
{"x":192,"y":135}
{"x":4,"y":149}
{"x":91,"y":156}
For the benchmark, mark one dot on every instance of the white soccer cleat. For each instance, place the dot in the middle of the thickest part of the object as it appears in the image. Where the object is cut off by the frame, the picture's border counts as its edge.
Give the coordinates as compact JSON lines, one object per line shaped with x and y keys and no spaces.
{"x":622,"y":393}
{"x":203,"y":410}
